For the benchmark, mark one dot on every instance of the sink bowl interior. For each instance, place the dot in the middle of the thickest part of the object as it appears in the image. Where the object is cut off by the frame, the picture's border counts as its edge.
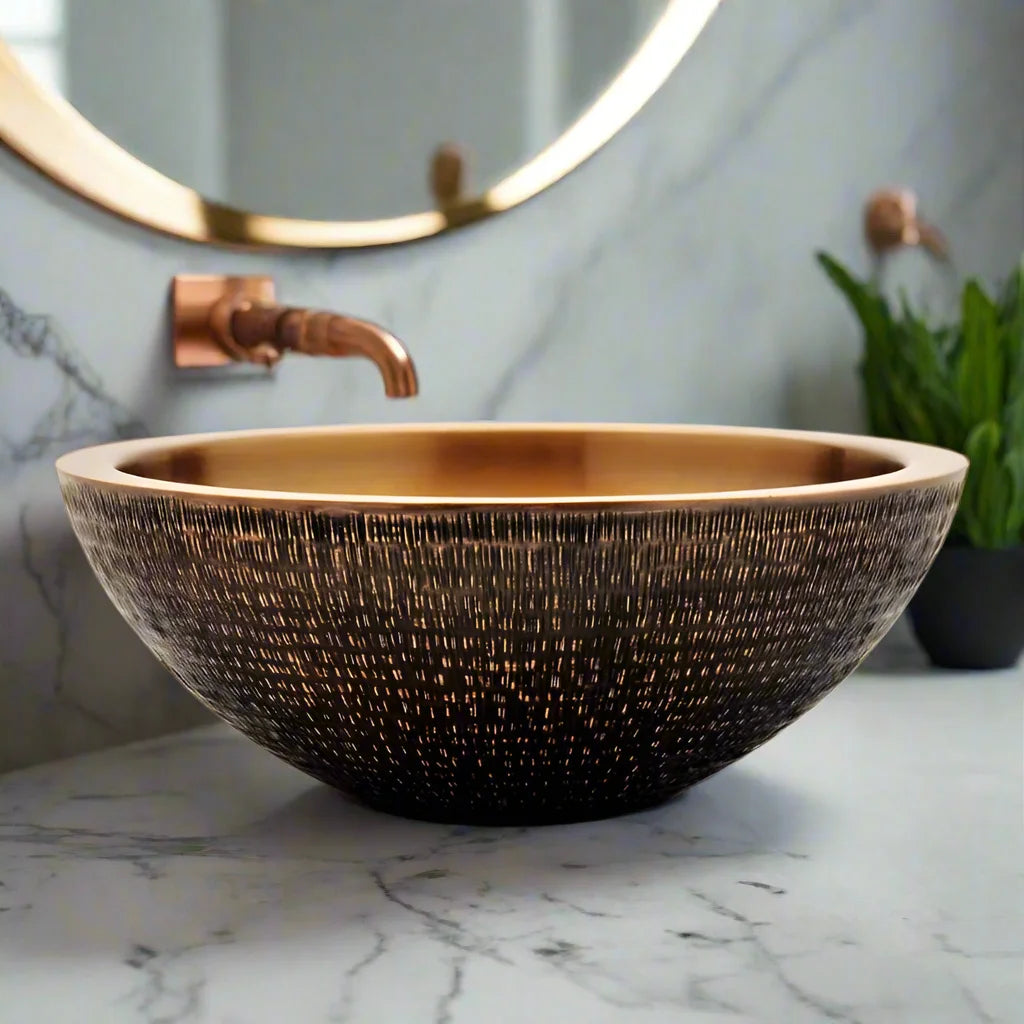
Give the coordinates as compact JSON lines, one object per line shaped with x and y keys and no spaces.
{"x":511,"y":463}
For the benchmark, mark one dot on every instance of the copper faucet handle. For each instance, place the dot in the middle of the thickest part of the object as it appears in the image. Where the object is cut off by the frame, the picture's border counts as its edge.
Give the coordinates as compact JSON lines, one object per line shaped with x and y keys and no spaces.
{"x":891,"y":221}
{"x":250,"y":338}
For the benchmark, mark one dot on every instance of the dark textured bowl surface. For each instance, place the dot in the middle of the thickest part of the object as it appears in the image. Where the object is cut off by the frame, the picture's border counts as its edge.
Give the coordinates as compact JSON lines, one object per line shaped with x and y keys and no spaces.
{"x":543,"y":624}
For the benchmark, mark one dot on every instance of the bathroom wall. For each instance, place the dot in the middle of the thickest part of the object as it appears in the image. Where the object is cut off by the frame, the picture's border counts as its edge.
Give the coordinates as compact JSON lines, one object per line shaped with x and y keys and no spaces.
{"x":670,"y":279}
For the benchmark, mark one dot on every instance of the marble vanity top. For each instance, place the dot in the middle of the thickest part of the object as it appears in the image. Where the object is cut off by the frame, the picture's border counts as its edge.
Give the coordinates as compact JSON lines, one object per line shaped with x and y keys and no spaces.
{"x":863,"y":867}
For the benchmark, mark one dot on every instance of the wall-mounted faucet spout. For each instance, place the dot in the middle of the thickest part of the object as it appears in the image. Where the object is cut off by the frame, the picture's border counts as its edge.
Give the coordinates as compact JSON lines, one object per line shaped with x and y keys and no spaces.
{"x":264,"y":333}
{"x":219,"y":320}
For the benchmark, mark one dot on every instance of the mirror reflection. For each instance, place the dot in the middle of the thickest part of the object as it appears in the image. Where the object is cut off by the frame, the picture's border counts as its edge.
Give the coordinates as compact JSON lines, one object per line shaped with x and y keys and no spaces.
{"x":329,"y":109}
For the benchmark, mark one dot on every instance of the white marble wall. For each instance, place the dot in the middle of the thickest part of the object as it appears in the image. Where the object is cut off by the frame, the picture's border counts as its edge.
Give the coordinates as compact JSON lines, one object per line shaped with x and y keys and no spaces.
{"x":669,"y":279}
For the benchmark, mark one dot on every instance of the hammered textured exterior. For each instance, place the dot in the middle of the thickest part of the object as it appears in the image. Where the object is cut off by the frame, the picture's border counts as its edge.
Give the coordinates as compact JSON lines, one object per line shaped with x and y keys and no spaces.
{"x":511,"y":664}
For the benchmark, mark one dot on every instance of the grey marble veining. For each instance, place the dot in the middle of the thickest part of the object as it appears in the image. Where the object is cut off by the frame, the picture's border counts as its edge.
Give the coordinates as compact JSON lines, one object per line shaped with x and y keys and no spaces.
{"x":79,"y":407}
{"x":864,"y":867}
{"x":669,"y":279}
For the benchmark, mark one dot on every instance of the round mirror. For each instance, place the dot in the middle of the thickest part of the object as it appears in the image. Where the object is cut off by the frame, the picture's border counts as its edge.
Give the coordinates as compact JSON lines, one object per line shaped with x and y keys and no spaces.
{"x":341,"y":122}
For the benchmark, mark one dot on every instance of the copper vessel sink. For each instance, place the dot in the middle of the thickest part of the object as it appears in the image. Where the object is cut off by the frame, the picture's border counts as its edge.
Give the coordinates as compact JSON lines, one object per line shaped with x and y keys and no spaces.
{"x":511,"y":624}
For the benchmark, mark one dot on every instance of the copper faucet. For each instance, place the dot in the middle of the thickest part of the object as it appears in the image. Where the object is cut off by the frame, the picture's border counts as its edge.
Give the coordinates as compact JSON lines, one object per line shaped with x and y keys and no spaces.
{"x":220,"y":320}
{"x":891,"y":221}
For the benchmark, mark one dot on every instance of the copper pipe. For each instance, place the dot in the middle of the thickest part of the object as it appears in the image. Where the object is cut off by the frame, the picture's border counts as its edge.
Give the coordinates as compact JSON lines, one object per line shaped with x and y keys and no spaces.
{"x":891,"y":222}
{"x":257,"y":332}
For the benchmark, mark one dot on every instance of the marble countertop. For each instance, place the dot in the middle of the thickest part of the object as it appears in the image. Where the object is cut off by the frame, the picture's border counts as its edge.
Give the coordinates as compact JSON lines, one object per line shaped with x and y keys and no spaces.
{"x":863,"y":867}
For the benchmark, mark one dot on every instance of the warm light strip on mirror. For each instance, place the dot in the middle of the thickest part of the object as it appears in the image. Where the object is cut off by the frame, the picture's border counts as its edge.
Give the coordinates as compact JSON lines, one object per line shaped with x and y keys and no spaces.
{"x":45,"y":129}
{"x":672,"y":36}
{"x":49,"y":133}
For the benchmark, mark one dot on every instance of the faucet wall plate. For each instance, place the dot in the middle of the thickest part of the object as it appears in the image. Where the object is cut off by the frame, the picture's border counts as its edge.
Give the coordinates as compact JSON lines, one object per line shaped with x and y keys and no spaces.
{"x":192,"y":297}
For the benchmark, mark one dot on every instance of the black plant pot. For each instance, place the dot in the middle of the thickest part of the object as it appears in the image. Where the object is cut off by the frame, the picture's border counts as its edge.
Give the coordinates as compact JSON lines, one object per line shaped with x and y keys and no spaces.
{"x":969,"y":611}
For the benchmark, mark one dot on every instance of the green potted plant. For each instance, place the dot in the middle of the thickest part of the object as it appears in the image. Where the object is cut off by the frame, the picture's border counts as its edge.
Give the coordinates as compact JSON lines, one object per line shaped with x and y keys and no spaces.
{"x":959,"y":385}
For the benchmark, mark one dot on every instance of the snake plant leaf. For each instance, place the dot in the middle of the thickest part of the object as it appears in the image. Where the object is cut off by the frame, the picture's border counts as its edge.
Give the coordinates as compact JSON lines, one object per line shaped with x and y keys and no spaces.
{"x":914,"y":422}
{"x":981,"y":371}
{"x":1014,"y":466}
{"x":880,"y":405}
{"x":928,"y":371}
{"x":1013,"y":420}
{"x":960,"y":385}
{"x":871,"y":308}
{"x":987,"y":488}
{"x":1012,"y":315}
{"x":1012,"y":297}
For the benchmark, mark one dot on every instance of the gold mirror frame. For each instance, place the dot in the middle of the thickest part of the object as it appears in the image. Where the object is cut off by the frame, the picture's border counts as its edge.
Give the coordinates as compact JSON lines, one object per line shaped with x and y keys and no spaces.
{"x":48,"y":132}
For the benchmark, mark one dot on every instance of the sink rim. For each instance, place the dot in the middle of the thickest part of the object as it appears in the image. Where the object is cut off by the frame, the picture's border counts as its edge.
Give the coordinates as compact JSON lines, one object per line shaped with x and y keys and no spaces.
{"x":920,"y":465}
